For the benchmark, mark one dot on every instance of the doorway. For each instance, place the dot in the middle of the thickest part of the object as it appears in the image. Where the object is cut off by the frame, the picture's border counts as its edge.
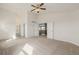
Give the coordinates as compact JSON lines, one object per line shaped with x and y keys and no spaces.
{"x":43,"y":29}
{"x":20,"y":30}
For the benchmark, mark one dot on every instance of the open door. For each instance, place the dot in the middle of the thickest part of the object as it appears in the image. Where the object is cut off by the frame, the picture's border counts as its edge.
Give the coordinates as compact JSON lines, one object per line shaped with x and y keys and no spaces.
{"x":43,"y":29}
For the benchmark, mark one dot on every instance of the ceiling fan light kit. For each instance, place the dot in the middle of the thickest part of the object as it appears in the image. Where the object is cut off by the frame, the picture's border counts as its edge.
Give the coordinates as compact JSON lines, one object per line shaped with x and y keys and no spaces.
{"x":38,"y":7}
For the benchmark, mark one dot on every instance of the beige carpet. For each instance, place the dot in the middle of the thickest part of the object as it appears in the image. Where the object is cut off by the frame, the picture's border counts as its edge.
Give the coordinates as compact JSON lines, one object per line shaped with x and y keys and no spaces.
{"x":44,"y":46}
{"x":37,"y":46}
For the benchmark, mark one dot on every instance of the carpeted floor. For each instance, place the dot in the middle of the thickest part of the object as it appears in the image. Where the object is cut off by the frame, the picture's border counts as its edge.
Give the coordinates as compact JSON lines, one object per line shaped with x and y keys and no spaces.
{"x":37,"y":46}
{"x":44,"y":46}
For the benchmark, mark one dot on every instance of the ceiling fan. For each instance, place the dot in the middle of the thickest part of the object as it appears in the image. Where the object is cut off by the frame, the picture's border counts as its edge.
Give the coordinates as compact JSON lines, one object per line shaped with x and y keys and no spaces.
{"x":38,"y":7}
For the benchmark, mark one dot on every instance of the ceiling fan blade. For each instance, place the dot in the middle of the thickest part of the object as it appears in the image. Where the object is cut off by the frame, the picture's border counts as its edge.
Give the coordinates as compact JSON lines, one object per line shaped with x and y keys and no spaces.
{"x":43,"y":8}
{"x":33,"y":6}
{"x":33,"y":10}
{"x":41,"y":4}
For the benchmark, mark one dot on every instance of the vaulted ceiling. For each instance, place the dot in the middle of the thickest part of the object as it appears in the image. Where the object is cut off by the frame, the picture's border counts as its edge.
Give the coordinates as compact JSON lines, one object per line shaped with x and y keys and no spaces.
{"x":50,"y":7}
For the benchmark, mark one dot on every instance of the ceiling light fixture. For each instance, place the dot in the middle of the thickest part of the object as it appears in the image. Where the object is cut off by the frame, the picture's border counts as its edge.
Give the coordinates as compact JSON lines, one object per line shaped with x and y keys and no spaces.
{"x":38,"y":7}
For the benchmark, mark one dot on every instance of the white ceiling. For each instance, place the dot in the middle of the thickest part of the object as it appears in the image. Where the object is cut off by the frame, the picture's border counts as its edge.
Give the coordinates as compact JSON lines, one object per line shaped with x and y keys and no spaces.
{"x":65,"y":7}
{"x":50,"y":7}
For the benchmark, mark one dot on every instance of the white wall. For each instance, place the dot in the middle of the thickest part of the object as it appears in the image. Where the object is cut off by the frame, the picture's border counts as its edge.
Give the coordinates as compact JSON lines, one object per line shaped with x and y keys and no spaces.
{"x":7,"y":24}
{"x":65,"y":28}
{"x":23,"y":21}
{"x":32,"y":24}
